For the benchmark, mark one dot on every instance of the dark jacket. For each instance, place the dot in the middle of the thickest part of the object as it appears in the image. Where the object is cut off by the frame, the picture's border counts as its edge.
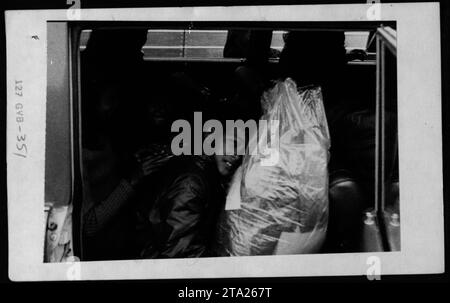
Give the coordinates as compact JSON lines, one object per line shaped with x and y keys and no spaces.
{"x":180,"y":221}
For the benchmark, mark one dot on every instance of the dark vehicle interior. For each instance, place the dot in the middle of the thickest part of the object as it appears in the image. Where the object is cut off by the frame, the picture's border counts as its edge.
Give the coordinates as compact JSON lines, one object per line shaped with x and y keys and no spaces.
{"x":208,"y":64}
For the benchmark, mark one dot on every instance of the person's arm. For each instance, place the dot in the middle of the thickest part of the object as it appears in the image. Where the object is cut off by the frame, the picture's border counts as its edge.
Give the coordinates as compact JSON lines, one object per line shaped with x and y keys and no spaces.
{"x":102,"y":169}
{"x":100,"y":214}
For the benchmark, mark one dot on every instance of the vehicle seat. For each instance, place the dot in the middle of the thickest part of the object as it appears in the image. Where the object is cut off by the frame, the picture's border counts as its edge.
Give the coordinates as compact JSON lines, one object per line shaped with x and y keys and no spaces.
{"x":346,"y":201}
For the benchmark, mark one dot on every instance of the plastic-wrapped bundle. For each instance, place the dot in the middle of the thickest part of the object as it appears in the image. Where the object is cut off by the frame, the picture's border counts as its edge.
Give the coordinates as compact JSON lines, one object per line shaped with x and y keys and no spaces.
{"x":284,"y":206}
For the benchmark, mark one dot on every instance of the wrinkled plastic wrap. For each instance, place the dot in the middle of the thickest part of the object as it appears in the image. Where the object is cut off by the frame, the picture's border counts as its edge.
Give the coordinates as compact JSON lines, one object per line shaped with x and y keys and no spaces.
{"x":284,"y":206}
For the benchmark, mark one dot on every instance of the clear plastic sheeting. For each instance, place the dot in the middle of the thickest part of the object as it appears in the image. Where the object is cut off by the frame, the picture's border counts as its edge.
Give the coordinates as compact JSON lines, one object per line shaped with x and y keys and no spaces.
{"x":284,"y":206}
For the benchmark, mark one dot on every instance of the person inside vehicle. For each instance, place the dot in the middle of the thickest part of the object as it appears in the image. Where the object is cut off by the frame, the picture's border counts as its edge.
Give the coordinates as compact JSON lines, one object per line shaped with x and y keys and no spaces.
{"x":251,"y":78}
{"x":180,"y":221}
{"x":112,"y":177}
{"x":176,"y":219}
{"x":110,"y":187}
{"x":319,"y":58}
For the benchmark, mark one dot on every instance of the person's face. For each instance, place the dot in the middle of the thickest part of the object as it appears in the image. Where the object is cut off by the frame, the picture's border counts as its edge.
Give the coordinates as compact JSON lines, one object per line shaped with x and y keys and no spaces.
{"x":227,"y":162}
{"x":159,"y":114}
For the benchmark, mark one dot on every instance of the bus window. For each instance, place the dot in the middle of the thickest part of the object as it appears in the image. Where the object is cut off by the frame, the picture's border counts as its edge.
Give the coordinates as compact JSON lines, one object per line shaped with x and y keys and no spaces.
{"x":124,"y":100}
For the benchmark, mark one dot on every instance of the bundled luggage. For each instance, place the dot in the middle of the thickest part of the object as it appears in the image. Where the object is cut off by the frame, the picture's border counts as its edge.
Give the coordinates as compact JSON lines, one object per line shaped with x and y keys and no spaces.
{"x":282,"y":207}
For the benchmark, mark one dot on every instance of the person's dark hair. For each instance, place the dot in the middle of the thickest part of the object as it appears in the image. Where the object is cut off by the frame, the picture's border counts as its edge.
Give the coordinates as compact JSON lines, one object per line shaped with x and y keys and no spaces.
{"x":106,"y":43}
{"x":313,"y":57}
{"x":113,"y":54}
{"x":112,"y":61}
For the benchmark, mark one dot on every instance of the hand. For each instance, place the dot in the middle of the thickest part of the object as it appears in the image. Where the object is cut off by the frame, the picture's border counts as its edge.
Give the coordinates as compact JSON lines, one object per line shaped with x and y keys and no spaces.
{"x":153,"y":163}
{"x":153,"y":159}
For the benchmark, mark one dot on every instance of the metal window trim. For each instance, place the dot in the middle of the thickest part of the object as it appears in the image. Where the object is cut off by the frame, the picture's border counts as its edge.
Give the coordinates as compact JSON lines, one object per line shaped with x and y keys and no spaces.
{"x":389,"y":37}
{"x":76,"y":132}
{"x":385,"y":41}
{"x":377,"y":121}
{"x":385,"y":38}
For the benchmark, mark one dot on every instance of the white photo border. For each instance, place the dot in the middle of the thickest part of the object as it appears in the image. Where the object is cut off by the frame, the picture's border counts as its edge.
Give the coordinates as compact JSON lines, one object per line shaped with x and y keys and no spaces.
{"x":420,"y":148}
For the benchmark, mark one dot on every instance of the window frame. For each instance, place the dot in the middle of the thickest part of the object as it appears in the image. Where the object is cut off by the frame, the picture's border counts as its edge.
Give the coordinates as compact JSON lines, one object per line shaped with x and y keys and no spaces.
{"x":386,"y":41}
{"x":74,"y":86}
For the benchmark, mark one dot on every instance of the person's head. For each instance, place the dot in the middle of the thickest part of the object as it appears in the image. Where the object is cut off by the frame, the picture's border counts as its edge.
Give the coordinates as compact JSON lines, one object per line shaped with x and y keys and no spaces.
{"x":160,"y":113}
{"x":313,"y":57}
{"x":250,"y":86}
{"x":113,"y":54}
{"x":109,"y":43}
{"x":229,"y":154}
{"x":101,"y":113}
{"x":100,"y":107}
{"x":109,"y":61}
{"x":111,"y":68}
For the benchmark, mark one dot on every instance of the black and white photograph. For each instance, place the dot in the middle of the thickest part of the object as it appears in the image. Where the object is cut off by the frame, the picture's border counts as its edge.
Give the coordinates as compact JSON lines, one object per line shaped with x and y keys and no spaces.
{"x":141,"y":198}
{"x":224,"y":142}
